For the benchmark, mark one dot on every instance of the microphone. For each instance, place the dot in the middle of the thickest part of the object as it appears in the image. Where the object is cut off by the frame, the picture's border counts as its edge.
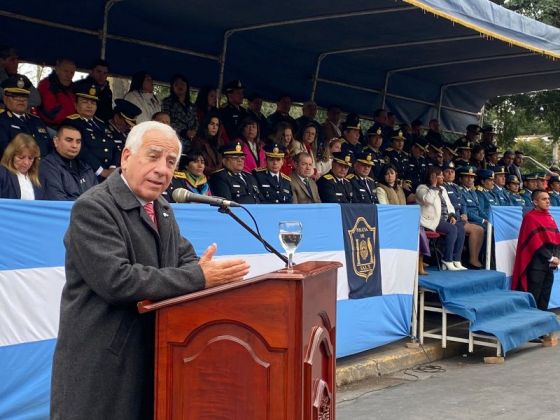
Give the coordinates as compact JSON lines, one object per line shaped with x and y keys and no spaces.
{"x":182,"y":195}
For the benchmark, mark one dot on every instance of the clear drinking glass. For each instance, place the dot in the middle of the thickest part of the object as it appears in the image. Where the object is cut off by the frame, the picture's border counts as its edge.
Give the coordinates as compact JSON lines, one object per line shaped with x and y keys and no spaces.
{"x":290,"y":236}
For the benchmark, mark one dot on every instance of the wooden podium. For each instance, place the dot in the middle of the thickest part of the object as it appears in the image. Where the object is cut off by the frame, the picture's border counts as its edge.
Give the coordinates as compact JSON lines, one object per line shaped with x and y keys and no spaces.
{"x":259,"y":349}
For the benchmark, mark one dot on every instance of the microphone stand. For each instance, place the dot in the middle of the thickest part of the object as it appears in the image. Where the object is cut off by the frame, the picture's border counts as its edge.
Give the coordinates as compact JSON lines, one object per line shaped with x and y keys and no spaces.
{"x":268,"y":247}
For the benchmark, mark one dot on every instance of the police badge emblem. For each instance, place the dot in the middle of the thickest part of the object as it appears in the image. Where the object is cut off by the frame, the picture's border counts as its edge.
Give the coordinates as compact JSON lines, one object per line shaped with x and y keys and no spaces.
{"x":362,"y":238}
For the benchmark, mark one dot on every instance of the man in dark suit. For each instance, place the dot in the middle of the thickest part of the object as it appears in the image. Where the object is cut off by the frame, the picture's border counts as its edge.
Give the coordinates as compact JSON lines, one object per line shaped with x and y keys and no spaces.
{"x":362,"y":185}
{"x":123,"y":245}
{"x":304,"y":188}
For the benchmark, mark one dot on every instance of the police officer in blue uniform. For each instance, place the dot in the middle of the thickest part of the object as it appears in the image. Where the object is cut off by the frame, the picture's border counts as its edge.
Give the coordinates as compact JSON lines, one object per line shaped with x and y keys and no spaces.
{"x":124,"y":118}
{"x":374,"y":141}
{"x":499,"y":190}
{"x":554,"y":190}
{"x":464,"y":150}
{"x":99,"y":150}
{"x":232,"y":182}
{"x":395,"y":154}
{"x":415,"y":173}
{"x":530,"y":184}
{"x":363,"y":186}
{"x":475,"y":214}
{"x":512,"y":190}
{"x":15,"y":119}
{"x":484,"y":190}
{"x":453,"y":190}
{"x":492,"y":157}
{"x":275,"y":187}
{"x":333,"y":186}
{"x":351,"y":133}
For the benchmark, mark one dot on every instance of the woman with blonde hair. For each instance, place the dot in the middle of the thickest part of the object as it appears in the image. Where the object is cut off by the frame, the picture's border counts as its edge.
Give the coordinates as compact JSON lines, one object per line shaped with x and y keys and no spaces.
{"x":324,"y":165}
{"x":284,"y":136}
{"x":19,"y":169}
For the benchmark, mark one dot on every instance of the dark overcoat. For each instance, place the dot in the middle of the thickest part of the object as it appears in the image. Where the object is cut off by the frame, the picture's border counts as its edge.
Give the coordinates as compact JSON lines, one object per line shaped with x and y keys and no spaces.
{"x":103,"y":362}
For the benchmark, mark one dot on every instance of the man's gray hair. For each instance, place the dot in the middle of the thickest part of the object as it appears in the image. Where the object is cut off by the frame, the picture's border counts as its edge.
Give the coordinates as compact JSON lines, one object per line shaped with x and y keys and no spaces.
{"x":136,"y":136}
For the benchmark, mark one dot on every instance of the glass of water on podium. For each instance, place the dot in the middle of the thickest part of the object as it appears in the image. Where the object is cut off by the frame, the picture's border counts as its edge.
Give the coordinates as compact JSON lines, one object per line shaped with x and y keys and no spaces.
{"x":290,"y":236}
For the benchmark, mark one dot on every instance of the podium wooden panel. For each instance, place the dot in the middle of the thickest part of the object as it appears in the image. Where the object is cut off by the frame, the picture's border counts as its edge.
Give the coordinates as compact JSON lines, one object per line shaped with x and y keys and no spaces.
{"x":260,"y":349}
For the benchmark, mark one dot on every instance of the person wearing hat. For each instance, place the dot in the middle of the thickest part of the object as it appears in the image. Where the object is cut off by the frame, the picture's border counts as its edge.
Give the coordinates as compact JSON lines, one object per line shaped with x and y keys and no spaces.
{"x":232,"y":113}
{"x":492,"y":157}
{"x":123,"y":119}
{"x":474,"y":233}
{"x":395,"y":155}
{"x":15,"y":119}
{"x":333,"y":186}
{"x":304,"y":188}
{"x":512,"y":190}
{"x":231,"y":182}
{"x":530,"y":183}
{"x":554,"y":190}
{"x":9,"y":63}
{"x":470,"y":137}
{"x":189,"y":175}
{"x":467,"y":176}
{"x":449,"y":152}
{"x":435,"y":155}
{"x":351,"y":133}
{"x":464,"y":152}
{"x":98,"y":150}
{"x":541,"y":181}
{"x":487,"y":137}
{"x":374,"y":139}
{"x":363,"y":186}
{"x":275,"y":187}
{"x":417,"y":164}
{"x":499,"y":190}
{"x":484,"y":191}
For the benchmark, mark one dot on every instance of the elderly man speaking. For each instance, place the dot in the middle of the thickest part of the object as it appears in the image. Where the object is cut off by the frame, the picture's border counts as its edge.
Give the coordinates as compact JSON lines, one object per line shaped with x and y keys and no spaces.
{"x":123,"y":245}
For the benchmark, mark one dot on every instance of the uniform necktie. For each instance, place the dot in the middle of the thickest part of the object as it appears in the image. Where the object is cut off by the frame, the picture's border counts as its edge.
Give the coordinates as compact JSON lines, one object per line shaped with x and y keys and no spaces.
{"x":149,"y":209}
{"x":240,"y":175}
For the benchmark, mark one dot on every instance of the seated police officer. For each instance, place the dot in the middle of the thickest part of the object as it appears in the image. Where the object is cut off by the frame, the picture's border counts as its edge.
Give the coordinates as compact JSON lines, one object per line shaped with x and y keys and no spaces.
{"x":363,"y":187}
{"x":333,"y":186}
{"x":484,"y":190}
{"x":351,"y":133}
{"x":499,"y":190}
{"x":231,"y":182}
{"x":374,"y":141}
{"x":275,"y":187}
{"x":15,"y":119}
{"x":124,"y":118}
{"x":467,"y":175}
{"x":395,"y":154}
{"x":530,"y":184}
{"x":417,"y":163}
{"x":512,"y":187}
{"x":99,"y":150}
{"x":554,"y":190}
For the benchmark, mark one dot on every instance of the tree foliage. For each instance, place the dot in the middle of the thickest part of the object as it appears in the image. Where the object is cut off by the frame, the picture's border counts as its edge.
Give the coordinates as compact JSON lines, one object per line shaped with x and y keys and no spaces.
{"x":535,"y":113}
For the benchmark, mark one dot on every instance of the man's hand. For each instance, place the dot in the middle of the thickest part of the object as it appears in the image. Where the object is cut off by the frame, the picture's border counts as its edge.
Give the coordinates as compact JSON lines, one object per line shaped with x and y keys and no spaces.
{"x":464,"y":218}
{"x":222,"y":271}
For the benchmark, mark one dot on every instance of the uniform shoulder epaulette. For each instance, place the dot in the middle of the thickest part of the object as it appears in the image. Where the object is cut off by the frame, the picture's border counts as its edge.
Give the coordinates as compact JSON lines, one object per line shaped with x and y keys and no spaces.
{"x":247,"y":173}
{"x":520,"y":192}
{"x":32,"y":115}
{"x":179,"y":175}
{"x":73,"y":117}
{"x":260,"y":169}
{"x":218,"y":170}
{"x":370,"y":178}
{"x":479,"y":188}
{"x":389,"y":149}
{"x":350,"y":176}
{"x":328,"y":177}
{"x":286,"y":177}
{"x":2,"y":110}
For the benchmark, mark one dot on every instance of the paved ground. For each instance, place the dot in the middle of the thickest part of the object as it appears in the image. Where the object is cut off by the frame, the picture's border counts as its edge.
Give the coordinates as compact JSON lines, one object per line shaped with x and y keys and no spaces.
{"x":526,"y":386}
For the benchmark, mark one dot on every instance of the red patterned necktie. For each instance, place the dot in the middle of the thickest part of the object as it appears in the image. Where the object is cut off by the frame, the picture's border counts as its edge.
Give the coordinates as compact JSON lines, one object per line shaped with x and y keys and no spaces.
{"x":149,"y":208}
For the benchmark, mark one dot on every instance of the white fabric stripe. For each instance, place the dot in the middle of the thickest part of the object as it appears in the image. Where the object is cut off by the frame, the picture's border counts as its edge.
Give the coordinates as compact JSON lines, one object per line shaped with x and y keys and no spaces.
{"x":505,"y":256}
{"x":265,"y":263}
{"x":30,"y":304}
{"x":398,"y":270}
{"x":30,"y":298}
